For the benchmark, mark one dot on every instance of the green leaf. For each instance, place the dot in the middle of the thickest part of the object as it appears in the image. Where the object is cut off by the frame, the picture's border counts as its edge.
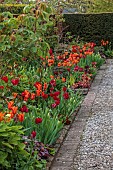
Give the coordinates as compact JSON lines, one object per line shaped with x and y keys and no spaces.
{"x":40,"y":53}
{"x":7,"y":14}
{"x":3,"y":156}
{"x":34,"y":49}
{"x":8,"y":145}
{"x":23,"y":152}
{"x":72,"y":80}
{"x":1,"y":27}
{"x":14,"y":140}
{"x":21,"y":146}
{"x":3,"y":134}
{"x":27,"y":8}
{"x":46,"y":46}
{"x":3,"y":48}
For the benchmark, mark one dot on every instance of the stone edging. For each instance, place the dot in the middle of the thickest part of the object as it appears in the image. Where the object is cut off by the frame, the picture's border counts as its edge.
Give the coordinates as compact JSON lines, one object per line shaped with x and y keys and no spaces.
{"x":79,"y":118}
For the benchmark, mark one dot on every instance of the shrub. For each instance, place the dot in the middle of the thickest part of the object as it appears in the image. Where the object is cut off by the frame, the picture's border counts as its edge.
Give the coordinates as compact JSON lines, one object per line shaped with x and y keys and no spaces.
{"x":12,"y":150}
{"x":12,"y":8}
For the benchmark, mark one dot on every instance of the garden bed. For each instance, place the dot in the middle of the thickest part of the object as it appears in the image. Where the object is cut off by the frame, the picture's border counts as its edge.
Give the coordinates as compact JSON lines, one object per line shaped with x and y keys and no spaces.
{"x":41,"y":90}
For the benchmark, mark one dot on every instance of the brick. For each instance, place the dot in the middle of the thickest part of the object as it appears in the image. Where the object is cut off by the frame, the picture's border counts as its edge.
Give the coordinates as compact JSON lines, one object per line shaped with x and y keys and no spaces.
{"x":62,"y":166}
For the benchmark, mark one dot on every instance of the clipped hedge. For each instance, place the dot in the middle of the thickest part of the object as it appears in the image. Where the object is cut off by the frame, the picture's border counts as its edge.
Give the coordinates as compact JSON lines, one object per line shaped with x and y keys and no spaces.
{"x":13,"y":8}
{"x":91,"y":27}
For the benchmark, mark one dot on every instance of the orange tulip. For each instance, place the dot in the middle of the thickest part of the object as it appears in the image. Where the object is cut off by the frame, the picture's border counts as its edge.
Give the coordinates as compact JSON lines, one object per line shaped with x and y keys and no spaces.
{"x":50,"y":62}
{"x":84,"y":48}
{"x":107,"y":42}
{"x":75,"y":55}
{"x":1,"y":116}
{"x":45,"y":86}
{"x":21,"y":117}
{"x":46,"y":57}
{"x":44,"y":64}
{"x":88,"y":52}
{"x":38,"y":92}
{"x":10,"y":104}
{"x":80,"y":55}
{"x":104,"y":43}
{"x":51,"y":76}
{"x":14,"y":95}
{"x":32,"y":96}
{"x":69,"y":64}
{"x":59,"y":64}
{"x":27,"y":94}
{"x":11,"y":114}
{"x":63,"y":79}
{"x":25,"y":99}
{"x":38,"y":85}
{"x":75,"y":61}
{"x":64,"y":63}
{"x":14,"y":109}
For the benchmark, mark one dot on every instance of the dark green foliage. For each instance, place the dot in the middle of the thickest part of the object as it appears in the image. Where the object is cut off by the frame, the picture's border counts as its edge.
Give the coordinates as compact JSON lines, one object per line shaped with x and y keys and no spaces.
{"x":13,"y":8}
{"x":91,"y":27}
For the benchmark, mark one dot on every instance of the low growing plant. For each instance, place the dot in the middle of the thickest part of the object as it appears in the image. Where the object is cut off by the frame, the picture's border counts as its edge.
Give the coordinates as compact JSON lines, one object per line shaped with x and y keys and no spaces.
{"x":12,"y":150}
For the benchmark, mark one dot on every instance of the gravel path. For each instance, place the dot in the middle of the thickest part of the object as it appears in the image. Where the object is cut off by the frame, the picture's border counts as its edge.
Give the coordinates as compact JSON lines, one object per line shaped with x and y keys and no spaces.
{"x":89,"y":142}
{"x":96,"y":148}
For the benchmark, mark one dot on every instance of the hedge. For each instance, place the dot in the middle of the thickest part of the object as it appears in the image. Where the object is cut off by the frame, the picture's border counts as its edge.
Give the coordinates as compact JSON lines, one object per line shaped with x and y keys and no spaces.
{"x":91,"y":27}
{"x":13,"y":8}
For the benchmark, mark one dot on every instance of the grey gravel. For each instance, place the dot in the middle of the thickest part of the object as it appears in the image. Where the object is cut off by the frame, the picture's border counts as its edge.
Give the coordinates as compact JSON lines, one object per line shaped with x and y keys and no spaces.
{"x":95,"y":151}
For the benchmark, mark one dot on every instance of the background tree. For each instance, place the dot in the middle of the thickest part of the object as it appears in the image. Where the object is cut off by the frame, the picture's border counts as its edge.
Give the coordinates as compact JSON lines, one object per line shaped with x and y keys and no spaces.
{"x":16,"y":1}
{"x":95,"y":6}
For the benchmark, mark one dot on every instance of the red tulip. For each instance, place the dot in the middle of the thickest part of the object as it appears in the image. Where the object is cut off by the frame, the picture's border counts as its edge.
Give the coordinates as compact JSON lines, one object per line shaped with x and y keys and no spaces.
{"x":1,"y":87}
{"x":56,"y":93}
{"x":68,"y":69}
{"x":53,"y":105}
{"x":26,"y":94}
{"x":80,"y":69}
{"x":74,"y":48}
{"x":76,"y":68}
{"x":15,"y":81}
{"x":44,"y":96}
{"x":38,"y":120}
{"x":53,"y":83}
{"x":64,"y":89}
{"x":51,"y":89}
{"x":32,"y":96}
{"x":5,"y":79}
{"x":57,"y":102}
{"x":55,"y":98}
{"x":50,"y":51}
{"x":24,"y":109}
{"x":38,"y":85}
{"x":33,"y":134}
{"x":66,"y":95}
